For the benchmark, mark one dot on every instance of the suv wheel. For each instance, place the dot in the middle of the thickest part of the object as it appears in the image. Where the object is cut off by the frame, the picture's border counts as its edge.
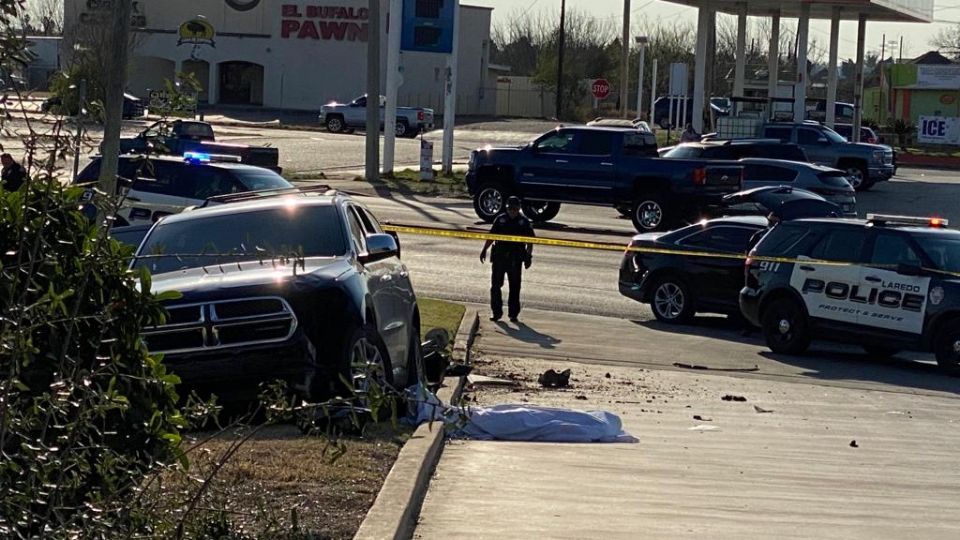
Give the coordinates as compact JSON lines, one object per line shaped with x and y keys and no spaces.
{"x":858,"y":176}
{"x":540,"y":211}
{"x":366,"y":363}
{"x":649,"y":213}
{"x":489,"y":202}
{"x":785,"y":327}
{"x":335,"y":124}
{"x":672,"y":302}
{"x":946,"y":346}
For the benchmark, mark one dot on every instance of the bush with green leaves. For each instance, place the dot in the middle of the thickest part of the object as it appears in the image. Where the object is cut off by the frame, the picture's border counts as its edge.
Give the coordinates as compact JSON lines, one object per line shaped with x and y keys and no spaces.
{"x":85,"y":411}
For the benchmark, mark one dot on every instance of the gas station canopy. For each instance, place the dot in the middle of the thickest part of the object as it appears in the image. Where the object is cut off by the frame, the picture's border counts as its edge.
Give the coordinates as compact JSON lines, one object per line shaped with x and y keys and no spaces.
{"x":874,"y":10}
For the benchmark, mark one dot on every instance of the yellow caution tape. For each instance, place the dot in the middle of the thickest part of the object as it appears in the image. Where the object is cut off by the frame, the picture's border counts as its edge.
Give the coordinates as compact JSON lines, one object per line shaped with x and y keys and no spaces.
{"x":607,"y":246}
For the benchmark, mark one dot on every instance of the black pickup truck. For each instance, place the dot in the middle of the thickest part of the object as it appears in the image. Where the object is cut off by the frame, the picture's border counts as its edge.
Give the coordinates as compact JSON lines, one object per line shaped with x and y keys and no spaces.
{"x":181,"y":136}
{"x":603,"y":166}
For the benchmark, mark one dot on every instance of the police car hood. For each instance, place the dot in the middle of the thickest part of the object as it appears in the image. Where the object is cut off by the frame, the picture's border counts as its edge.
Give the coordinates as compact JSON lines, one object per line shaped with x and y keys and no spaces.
{"x":250,"y":276}
{"x":786,"y":202}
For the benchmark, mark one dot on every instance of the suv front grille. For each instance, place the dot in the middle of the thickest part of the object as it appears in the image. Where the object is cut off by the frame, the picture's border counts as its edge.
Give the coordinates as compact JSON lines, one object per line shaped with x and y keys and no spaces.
{"x":222,"y":324}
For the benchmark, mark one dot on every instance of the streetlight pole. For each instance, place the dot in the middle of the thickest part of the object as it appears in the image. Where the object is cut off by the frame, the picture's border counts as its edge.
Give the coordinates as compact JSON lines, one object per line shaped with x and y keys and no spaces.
{"x":625,"y":62}
{"x":642,"y":42}
{"x":563,"y":12}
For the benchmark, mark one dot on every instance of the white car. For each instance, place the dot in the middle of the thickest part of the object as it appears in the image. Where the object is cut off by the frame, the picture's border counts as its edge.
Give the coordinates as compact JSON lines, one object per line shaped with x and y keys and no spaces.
{"x":160,"y":186}
{"x":345,"y":117}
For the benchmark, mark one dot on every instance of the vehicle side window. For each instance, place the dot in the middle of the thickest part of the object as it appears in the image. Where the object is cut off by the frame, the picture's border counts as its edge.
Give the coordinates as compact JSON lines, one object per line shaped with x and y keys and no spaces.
{"x":784,"y":241}
{"x":726,"y":239}
{"x":808,"y":136}
{"x":361,"y":102}
{"x":370,"y":223}
{"x":722,"y":152}
{"x":596,"y":143}
{"x":156,"y":177}
{"x":561,"y":142}
{"x":768,"y":173}
{"x":843,"y":245}
{"x":206,"y":182}
{"x":788,"y":152}
{"x":891,"y":249}
{"x":357,"y":235}
{"x":845,"y":111}
{"x":635,"y":144}
{"x":782,"y":133}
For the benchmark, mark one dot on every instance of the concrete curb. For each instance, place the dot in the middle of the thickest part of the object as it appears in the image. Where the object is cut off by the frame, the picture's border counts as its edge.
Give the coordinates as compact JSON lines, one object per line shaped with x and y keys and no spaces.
{"x":395,"y":512}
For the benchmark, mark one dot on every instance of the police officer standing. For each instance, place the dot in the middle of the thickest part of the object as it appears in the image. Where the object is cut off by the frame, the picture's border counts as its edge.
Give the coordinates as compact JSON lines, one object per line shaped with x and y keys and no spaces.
{"x":507,"y":258}
{"x":12,"y":174}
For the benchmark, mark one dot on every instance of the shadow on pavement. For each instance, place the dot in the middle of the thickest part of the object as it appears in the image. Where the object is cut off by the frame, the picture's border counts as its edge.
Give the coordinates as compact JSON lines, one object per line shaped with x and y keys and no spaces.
{"x":825,"y":361}
{"x":526,"y":334}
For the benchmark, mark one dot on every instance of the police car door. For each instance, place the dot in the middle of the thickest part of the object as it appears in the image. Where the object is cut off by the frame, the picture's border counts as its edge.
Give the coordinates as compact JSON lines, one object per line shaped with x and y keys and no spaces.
{"x":154,"y":194}
{"x":894,"y":301}
{"x":832,"y":289}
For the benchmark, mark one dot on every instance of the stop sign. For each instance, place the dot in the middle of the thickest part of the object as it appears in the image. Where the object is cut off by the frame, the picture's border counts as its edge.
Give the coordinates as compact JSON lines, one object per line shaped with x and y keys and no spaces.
{"x":600,"y":88}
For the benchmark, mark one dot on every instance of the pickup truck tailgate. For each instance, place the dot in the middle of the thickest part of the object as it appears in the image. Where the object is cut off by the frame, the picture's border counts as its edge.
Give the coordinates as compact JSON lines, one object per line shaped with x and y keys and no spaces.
{"x":724,"y":176}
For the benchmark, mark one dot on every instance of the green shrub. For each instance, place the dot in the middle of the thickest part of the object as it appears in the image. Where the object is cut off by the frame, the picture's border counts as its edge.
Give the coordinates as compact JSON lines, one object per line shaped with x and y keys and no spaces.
{"x":85,"y":412}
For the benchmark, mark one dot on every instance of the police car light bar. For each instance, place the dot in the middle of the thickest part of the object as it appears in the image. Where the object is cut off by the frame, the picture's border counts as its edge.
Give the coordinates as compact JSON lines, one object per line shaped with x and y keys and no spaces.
{"x":202,"y":157}
{"x":884,"y":219}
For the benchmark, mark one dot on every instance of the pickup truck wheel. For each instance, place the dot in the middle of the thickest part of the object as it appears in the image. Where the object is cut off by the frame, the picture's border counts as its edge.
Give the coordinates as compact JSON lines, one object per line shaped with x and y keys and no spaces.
{"x":946,"y":347}
{"x":649,"y":213}
{"x":489,"y":202}
{"x":540,"y":211}
{"x":858,"y":176}
{"x":401,"y":129}
{"x":335,"y":124}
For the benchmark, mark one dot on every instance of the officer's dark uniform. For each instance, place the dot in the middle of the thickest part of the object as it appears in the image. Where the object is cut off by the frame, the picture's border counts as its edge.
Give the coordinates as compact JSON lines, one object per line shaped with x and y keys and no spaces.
{"x":13,"y":176}
{"x":508,"y":258}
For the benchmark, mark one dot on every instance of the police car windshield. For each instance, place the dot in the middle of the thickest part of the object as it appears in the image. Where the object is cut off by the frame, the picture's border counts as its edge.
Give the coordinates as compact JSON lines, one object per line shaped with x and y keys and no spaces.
{"x":942,"y":249}
{"x":257,"y":180}
{"x":312,"y":231}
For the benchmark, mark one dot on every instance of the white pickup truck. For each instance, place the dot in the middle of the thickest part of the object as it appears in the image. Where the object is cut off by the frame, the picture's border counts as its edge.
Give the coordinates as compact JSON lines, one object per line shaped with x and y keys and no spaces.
{"x":345,"y":117}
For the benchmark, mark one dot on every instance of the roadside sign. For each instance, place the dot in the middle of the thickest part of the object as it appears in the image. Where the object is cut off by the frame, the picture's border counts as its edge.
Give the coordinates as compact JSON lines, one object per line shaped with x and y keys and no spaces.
{"x":600,"y":88}
{"x":426,"y":160}
{"x":939,"y":130}
{"x":427,"y":26}
{"x":679,"y":79}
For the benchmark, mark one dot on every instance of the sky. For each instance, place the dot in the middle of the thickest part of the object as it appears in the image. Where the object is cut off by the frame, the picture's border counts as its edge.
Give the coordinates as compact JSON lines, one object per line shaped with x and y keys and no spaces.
{"x":916,"y":37}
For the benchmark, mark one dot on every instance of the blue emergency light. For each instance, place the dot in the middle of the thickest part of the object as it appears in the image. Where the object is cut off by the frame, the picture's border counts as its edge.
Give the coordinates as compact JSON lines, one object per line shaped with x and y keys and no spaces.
{"x":196,"y":157}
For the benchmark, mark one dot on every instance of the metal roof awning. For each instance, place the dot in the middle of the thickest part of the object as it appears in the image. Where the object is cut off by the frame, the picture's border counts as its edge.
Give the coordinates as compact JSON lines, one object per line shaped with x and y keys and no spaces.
{"x":875,"y":10}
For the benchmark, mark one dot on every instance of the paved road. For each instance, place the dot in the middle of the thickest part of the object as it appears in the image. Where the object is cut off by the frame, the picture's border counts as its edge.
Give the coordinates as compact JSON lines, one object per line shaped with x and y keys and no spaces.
{"x":584,"y":281}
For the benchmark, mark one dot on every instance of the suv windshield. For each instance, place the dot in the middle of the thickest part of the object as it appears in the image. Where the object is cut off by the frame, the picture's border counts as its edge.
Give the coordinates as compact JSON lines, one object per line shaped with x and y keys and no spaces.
{"x":312,"y":231}
{"x":260,"y":179}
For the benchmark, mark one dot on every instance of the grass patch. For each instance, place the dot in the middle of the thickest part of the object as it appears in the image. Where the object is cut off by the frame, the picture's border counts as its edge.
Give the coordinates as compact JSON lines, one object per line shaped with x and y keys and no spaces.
{"x":408,"y":181}
{"x":440,"y":314}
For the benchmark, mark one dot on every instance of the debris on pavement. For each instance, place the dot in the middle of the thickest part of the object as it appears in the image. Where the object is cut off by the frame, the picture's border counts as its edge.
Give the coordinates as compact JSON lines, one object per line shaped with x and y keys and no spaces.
{"x":729,"y":370}
{"x":482,"y":380}
{"x":581,"y":397}
{"x":853,"y":444}
{"x":701,"y":418}
{"x":552,"y":379}
{"x":761,"y":410}
{"x":607,"y":375}
{"x":731,"y":397}
{"x":702,"y":427}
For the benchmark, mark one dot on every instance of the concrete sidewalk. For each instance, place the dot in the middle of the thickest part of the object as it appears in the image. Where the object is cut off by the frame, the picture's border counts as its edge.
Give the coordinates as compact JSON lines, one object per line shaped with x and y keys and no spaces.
{"x":793,"y":461}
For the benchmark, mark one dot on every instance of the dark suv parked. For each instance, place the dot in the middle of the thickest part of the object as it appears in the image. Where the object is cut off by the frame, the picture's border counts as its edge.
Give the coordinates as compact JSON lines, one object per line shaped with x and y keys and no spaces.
{"x":304,"y":288}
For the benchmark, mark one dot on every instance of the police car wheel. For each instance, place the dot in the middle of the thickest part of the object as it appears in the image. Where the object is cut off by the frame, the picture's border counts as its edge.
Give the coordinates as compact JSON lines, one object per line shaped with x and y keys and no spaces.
{"x":946,"y":347}
{"x":878,"y":351}
{"x":489,"y":202}
{"x":785,"y":327}
{"x":672,"y":302}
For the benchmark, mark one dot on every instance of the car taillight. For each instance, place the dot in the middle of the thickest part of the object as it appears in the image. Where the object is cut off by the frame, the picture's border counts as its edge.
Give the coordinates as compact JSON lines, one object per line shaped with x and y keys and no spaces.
{"x":420,"y":115}
{"x":699,"y":177}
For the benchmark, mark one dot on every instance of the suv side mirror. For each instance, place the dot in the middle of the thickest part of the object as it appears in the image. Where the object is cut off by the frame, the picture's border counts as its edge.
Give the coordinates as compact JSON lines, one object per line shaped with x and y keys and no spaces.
{"x":909,"y":269}
{"x":379,"y":247}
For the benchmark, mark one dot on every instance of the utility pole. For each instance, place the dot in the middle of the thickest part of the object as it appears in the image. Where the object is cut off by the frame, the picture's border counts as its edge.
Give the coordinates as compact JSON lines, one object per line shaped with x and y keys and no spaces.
{"x":373,"y":93}
{"x":116,"y":68}
{"x":625,"y":62}
{"x":450,"y":98}
{"x":394,"y":31}
{"x":642,"y":42}
{"x":563,"y":13}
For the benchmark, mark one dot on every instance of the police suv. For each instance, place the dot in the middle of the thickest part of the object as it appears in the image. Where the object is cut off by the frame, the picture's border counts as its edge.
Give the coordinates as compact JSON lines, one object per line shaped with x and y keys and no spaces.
{"x":160,"y":185}
{"x":886,"y":283}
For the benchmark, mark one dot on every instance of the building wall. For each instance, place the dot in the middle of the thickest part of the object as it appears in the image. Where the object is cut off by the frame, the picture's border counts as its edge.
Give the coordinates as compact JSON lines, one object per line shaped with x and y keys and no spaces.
{"x":308,"y":56}
{"x":46,"y":60}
